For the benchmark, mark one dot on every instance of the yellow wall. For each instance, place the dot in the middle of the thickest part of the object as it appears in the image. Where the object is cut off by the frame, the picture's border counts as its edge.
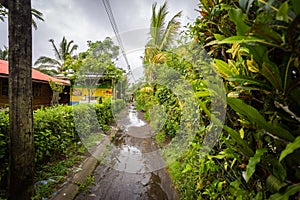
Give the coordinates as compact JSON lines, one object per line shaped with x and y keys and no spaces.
{"x":78,"y":94}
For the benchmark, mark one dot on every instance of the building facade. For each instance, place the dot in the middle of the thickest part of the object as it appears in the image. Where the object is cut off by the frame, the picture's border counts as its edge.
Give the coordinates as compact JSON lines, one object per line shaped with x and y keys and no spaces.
{"x":41,"y":90}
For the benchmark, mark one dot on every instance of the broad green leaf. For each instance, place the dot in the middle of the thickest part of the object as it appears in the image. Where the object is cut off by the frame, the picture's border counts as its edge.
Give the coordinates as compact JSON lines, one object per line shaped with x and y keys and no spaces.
{"x":282,"y":13}
{"x":246,"y":80}
{"x":296,"y":6}
{"x":265,"y":32}
{"x":259,"y":196}
{"x":274,"y":184}
{"x":219,"y":36}
{"x":271,"y":72}
{"x":254,"y":116}
{"x":290,"y":190}
{"x":259,"y":53}
{"x":244,"y":147}
{"x":253,"y":161}
{"x":236,"y":184}
{"x":238,"y":17}
{"x":290,"y":148}
{"x":278,"y":170}
{"x":237,"y":40}
{"x":240,"y":39}
{"x":252,"y":89}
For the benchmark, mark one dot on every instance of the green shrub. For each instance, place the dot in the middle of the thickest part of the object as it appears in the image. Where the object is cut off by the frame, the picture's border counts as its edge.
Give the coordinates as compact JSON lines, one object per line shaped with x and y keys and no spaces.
{"x":104,"y":114}
{"x":254,"y":45}
{"x":117,"y":105}
{"x":85,"y":119}
{"x":4,"y":123}
{"x":56,"y":129}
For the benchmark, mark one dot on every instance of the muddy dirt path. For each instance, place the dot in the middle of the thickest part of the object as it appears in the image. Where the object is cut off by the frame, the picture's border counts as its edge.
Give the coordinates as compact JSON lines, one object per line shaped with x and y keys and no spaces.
{"x":132,"y":168}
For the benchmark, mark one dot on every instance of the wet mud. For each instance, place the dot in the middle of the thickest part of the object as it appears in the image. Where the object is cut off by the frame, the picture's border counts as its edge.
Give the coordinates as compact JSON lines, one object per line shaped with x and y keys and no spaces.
{"x":133,"y":168}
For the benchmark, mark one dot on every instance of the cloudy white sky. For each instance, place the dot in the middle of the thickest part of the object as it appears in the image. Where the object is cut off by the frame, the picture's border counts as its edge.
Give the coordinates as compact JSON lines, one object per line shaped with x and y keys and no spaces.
{"x":83,"y":20}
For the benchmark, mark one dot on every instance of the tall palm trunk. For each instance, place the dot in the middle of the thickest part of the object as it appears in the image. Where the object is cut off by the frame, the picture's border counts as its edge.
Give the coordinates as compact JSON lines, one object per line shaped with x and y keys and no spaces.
{"x":21,"y":146}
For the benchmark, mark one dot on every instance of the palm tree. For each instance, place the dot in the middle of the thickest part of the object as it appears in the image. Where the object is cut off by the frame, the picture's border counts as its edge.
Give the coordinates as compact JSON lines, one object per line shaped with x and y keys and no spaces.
{"x":162,"y":37}
{"x":53,"y":66}
{"x":21,"y":140}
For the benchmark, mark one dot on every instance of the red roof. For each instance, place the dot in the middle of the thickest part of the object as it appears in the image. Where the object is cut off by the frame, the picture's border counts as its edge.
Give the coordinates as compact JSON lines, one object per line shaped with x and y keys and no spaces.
{"x":36,"y":75}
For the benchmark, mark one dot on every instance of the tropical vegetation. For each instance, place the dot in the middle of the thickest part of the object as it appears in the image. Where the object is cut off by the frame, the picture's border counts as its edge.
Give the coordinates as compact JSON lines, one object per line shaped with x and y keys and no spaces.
{"x":62,"y":53}
{"x":225,"y":106}
{"x":97,"y":63}
{"x":58,"y":146}
{"x":253,"y":49}
{"x":162,"y":37}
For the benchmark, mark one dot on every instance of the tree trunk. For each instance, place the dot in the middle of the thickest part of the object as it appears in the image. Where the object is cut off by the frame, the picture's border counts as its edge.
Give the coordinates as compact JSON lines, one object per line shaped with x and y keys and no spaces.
{"x":21,"y":146}
{"x":55,"y":97}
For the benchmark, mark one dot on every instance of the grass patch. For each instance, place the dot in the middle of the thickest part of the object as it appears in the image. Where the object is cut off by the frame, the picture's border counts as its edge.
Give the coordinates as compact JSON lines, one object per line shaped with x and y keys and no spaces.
{"x":50,"y":176}
{"x":85,"y":187}
{"x":160,"y":138}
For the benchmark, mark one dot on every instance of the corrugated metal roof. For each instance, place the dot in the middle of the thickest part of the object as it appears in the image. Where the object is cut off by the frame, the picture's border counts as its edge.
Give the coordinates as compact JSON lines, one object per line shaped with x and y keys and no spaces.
{"x":36,"y":75}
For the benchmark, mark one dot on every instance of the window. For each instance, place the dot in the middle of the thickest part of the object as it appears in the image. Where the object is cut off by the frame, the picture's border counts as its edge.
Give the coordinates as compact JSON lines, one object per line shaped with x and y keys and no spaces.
{"x":37,"y":89}
{"x":4,"y":88}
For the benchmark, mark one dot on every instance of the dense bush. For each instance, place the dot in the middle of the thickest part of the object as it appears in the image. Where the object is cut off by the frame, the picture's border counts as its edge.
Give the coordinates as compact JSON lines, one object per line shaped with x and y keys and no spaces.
{"x":55,"y":129}
{"x":117,"y":105}
{"x":255,"y":46}
{"x":144,"y":100}
{"x":4,"y":123}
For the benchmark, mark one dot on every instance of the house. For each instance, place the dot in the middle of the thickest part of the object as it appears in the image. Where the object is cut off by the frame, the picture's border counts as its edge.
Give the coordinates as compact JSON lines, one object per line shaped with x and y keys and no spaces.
{"x":92,"y":89}
{"x":42,"y":92}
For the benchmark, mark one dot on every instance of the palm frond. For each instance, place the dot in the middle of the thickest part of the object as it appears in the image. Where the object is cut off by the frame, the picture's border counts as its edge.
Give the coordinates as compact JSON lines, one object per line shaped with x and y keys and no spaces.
{"x":157,"y":23}
{"x":36,"y":15}
{"x":56,"y":51}
{"x":45,"y":70}
{"x":161,"y":36}
{"x":46,"y":60}
{"x":171,"y":31}
{"x":3,"y":12}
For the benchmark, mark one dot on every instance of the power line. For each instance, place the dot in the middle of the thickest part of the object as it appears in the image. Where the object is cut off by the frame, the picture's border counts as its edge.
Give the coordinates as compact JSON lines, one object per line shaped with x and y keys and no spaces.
{"x":116,"y":31}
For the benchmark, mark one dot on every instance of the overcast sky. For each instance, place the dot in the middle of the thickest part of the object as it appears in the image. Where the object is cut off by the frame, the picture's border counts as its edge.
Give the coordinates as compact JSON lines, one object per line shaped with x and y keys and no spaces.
{"x":83,"y":20}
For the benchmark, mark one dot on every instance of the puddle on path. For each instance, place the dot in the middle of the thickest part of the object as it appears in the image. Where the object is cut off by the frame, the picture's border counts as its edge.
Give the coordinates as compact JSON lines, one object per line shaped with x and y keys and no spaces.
{"x":132,"y":170}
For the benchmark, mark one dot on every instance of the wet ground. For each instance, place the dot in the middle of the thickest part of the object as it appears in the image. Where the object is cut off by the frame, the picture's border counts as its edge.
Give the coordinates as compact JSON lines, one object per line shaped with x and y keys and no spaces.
{"x":132,"y":168}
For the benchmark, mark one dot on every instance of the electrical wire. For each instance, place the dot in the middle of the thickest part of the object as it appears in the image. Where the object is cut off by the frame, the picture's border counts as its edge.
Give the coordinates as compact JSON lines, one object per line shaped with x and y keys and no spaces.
{"x":116,"y":32}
